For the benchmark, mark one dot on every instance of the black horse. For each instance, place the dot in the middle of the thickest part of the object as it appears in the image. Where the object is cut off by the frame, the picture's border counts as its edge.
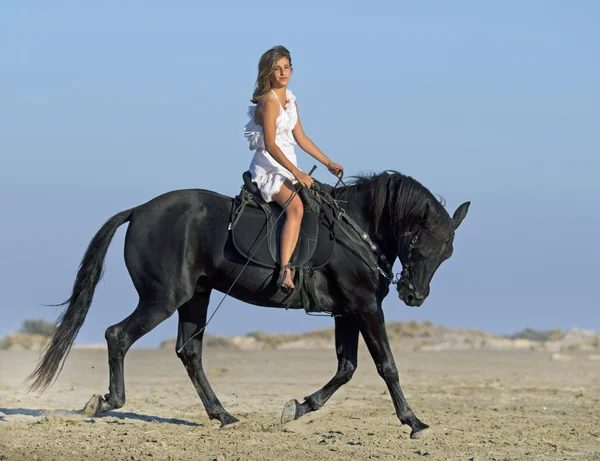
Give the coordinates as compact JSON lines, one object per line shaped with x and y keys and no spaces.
{"x":177,"y":251}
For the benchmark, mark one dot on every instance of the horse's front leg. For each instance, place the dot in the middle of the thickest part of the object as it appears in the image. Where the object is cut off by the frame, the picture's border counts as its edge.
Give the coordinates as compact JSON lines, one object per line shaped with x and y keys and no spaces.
{"x":346,"y":345}
{"x":372,"y":328}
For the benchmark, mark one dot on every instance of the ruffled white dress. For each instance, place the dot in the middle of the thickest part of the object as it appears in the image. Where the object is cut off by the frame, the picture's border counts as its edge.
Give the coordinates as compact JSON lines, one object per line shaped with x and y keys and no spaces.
{"x":265,"y":171}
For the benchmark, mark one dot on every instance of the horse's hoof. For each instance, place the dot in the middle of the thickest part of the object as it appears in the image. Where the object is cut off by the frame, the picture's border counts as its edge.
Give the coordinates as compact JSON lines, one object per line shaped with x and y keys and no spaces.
{"x":420,"y":431}
{"x":92,"y":408}
{"x":228,"y":420}
{"x":290,"y":410}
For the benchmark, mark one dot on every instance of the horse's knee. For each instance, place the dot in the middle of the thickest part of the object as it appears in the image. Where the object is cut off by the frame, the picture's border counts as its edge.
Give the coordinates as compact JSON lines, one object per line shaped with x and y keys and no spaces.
{"x":388,"y":371}
{"x":189,"y":354}
{"x":345,"y":372}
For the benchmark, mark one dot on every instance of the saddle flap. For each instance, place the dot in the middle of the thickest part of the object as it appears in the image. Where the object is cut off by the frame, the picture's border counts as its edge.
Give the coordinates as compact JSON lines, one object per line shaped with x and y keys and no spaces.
{"x":253,"y":236}
{"x":256,"y":233}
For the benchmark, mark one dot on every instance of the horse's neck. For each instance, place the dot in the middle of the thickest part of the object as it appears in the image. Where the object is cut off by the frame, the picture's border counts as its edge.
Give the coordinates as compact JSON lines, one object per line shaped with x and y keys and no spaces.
{"x":392,"y":226}
{"x":360,"y":208}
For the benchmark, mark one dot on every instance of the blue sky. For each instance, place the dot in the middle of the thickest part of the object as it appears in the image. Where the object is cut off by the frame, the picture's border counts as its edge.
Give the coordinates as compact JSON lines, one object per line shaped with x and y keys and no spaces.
{"x":104,"y":106}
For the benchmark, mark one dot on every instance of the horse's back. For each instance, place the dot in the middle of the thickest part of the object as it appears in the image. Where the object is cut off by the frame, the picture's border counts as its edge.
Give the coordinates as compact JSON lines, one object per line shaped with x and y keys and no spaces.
{"x":174,"y":224}
{"x":181,"y":205}
{"x":182,"y":197}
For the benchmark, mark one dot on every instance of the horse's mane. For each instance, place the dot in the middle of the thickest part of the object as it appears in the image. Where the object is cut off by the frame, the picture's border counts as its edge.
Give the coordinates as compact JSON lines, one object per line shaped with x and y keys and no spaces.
{"x":406,"y":201}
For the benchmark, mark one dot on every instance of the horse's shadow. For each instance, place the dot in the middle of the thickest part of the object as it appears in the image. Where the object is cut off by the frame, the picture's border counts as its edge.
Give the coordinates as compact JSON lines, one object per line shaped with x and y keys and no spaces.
{"x":114,"y":414}
{"x":148,"y":419}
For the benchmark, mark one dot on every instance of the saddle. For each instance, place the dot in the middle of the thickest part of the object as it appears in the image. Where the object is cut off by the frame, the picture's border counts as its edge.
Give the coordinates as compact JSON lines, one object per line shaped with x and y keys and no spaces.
{"x":256,"y":229}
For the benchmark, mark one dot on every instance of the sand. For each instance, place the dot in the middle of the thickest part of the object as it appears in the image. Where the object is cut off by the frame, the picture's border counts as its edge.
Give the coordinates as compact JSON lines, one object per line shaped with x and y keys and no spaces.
{"x":481,"y":405}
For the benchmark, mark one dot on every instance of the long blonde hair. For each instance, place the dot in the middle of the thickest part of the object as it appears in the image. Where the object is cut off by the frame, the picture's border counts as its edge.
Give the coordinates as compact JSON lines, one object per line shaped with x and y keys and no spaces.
{"x":266,"y":68}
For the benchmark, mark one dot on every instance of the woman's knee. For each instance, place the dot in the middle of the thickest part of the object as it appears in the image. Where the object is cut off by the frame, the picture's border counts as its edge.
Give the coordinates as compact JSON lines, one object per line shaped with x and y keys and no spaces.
{"x":295,"y":209}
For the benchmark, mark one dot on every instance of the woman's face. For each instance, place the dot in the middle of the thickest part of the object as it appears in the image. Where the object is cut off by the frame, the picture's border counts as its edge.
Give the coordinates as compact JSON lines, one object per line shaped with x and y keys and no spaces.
{"x":281,"y":73}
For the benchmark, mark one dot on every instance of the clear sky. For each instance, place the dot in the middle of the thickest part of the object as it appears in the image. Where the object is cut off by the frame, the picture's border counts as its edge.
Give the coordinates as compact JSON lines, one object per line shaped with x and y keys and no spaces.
{"x":104,"y":105}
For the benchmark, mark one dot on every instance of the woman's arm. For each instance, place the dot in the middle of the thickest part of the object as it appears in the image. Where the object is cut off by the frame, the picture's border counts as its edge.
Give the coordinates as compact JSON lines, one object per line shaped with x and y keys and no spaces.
{"x":307,"y":145}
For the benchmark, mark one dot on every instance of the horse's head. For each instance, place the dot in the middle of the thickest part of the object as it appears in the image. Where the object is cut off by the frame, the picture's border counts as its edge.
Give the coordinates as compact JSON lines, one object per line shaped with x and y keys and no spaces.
{"x":421,"y":253}
{"x":409,"y":222}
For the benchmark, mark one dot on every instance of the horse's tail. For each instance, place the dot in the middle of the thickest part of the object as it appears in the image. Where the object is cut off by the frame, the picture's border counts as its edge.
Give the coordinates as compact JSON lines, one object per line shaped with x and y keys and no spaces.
{"x":71,"y":320}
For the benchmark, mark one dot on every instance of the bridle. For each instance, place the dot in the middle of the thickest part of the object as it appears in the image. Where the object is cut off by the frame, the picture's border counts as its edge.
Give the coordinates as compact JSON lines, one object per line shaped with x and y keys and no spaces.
{"x":407,"y":274}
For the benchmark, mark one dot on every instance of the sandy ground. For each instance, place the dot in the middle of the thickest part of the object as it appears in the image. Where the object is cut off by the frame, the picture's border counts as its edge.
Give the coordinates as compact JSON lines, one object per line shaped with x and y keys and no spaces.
{"x":481,"y":406}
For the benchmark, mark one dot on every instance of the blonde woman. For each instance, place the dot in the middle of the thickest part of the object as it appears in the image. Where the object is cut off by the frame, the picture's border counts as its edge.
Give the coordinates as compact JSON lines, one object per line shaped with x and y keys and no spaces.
{"x":273,"y":131}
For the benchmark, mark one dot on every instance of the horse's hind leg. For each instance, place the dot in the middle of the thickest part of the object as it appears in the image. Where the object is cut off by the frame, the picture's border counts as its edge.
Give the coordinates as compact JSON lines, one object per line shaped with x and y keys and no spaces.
{"x":346,"y":344}
{"x":192,"y":317}
{"x":120,"y":338}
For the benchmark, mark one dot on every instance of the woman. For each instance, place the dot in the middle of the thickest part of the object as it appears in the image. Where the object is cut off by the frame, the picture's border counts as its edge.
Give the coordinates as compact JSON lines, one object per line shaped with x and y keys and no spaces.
{"x":273,"y":130}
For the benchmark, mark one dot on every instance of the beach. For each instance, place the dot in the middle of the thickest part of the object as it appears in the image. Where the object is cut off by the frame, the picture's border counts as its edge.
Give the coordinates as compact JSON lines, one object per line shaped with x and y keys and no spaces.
{"x":481,"y":405}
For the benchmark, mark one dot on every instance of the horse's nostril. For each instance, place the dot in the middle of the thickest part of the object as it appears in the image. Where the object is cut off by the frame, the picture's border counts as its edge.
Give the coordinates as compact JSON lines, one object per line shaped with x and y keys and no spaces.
{"x":410,"y":298}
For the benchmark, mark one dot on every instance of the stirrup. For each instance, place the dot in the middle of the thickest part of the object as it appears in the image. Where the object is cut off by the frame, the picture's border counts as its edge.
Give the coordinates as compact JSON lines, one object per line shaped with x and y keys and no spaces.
{"x":287,"y":289}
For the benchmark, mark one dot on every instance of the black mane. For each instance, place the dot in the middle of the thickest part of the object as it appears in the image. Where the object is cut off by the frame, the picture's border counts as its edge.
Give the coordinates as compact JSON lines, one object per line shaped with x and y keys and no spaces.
{"x":406,"y":201}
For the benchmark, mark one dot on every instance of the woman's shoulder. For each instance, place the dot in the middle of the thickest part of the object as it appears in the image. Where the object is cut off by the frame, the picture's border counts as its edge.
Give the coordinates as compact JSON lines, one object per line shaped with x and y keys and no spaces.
{"x":269,"y":99}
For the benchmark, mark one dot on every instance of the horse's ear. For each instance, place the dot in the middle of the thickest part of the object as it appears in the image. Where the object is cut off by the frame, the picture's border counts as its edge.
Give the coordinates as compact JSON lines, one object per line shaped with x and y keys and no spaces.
{"x":460,"y":214}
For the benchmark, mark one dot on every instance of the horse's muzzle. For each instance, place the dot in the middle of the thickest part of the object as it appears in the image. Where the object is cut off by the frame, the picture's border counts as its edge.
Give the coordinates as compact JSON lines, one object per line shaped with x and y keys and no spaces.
{"x":409,"y":296}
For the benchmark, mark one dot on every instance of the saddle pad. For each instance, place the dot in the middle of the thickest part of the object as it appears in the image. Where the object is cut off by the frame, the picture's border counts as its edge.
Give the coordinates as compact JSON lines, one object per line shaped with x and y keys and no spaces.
{"x":248,"y":236}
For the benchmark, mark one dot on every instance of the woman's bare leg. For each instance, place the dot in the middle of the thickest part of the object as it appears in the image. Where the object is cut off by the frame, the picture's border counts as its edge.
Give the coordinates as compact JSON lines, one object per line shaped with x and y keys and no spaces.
{"x":291,"y":227}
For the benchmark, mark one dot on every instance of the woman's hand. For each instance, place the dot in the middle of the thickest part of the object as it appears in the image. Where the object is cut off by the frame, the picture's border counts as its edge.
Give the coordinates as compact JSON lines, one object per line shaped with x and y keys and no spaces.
{"x":304,"y":179}
{"x":335,"y":169}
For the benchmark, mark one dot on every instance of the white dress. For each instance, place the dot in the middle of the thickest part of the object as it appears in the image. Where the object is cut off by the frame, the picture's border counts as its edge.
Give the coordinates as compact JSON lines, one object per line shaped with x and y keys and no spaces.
{"x":266,"y":172}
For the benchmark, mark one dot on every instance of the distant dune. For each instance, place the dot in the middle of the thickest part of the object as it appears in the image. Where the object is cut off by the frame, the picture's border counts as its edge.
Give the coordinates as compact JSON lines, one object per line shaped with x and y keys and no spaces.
{"x":418,"y":336}
{"x":406,"y":335}
{"x":21,"y":342}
